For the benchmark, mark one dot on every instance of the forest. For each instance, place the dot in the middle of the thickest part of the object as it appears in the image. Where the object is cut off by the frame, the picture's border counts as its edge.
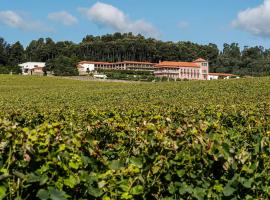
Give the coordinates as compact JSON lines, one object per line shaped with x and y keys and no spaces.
{"x":252,"y":61}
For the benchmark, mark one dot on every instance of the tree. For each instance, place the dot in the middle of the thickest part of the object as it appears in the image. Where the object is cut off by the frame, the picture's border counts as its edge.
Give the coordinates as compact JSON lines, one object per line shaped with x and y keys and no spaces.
{"x":126,"y":46}
{"x":62,"y":66}
{"x":16,"y":54}
{"x":3,"y":52}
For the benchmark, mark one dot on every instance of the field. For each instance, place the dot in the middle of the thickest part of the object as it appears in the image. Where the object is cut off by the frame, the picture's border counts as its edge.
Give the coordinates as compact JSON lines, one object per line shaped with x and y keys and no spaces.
{"x":69,"y":139}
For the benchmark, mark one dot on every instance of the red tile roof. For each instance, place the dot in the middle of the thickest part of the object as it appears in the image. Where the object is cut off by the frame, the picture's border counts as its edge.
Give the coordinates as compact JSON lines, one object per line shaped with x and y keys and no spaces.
{"x":94,"y":62}
{"x":108,"y":63}
{"x":177,"y":64}
{"x":221,"y":74}
{"x":136,"y":62}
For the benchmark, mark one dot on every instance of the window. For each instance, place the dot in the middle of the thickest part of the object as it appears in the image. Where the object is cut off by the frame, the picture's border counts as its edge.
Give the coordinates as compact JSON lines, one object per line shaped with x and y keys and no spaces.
{"x":204,"y":71}
{"x":204,"y":64}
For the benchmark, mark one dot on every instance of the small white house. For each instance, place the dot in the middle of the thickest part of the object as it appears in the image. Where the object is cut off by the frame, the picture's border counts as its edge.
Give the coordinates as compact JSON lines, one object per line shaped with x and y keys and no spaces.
{"x":32,"y":68}
{"x":215,"y":76}
{"x":85,"y":67}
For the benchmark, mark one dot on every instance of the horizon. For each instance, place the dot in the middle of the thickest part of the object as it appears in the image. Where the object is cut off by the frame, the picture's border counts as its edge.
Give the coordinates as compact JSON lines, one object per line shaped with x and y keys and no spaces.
{"x":243,"y":23}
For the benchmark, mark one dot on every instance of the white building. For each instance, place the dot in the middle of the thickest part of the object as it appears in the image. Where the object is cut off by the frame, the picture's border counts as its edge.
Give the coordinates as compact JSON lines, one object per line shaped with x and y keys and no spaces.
{"x":85,"y":66}
{"x":88,"y":66}
{"x":32,"y":68}
{"x":215,"y":76}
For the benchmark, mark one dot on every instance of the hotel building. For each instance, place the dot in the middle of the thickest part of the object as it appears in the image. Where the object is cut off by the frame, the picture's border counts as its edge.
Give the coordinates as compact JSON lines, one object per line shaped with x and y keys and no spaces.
{"x":196,"y":70}
{"x":88,"y":66}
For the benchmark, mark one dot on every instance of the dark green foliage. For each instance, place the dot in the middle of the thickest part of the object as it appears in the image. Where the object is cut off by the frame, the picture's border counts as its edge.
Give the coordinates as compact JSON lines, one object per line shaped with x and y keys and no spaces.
{"x":3,"y":52}
{"x":253,"y":61}
{"x":10,"y":70}
{"x":16,"y":54}
{"x":62,"y":66}
{"x":129,"y":75}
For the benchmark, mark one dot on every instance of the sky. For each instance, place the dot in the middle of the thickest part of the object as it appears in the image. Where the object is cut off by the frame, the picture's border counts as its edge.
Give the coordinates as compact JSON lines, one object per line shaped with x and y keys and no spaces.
{"x":246,"y":22}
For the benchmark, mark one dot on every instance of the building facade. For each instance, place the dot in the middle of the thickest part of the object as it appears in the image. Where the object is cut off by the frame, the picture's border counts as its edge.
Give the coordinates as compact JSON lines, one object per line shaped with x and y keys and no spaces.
{"x":215,"y":76}
{"x":89,"y":66}
{"x":32,"y":68}
{"x":196,"y":70}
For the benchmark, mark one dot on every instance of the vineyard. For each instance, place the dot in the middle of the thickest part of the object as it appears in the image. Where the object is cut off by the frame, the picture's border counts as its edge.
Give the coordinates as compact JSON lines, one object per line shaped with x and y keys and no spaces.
{"x":67,"y":139}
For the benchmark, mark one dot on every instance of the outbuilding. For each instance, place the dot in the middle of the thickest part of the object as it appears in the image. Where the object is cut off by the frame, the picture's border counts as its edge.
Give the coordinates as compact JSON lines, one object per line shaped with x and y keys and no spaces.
{"x":32,"y":68}
{"x":215,"y":76}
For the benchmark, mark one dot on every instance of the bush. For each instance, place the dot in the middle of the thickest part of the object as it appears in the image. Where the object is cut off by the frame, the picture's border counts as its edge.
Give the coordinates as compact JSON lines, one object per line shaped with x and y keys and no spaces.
{"x":10,"y":69}
{"x":128,"y":75}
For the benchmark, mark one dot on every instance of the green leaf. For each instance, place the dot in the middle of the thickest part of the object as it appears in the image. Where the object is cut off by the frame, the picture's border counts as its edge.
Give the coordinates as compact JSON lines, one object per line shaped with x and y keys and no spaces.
{"x":3,"y":191}
{"x":74,"y":165}
{"x":218,"y":188}
{"x":71,"y":181}
{"x":126,"y":195}
{"x":124,"y":187}
{"x":155,"y":169}
{"x":95,"y":192}
{"x":228,"y":190}
{"x":137,"y":162}
{"x":116,"y":164}
{"x":32,"y":178}
{"x":43,"y":194}
{"x":62,"y":147}
{"x":137,"y":190}
{"x":199,"y":193}
{"x":19,"y":175}
{"x":180,"y":173}
{"x":43,"y":179}
{"x":56,"y":194}
{"x":247,"y":183}
{"x":185,"y":189}
{"x":172,"y":188}
{"x":168,"y":177}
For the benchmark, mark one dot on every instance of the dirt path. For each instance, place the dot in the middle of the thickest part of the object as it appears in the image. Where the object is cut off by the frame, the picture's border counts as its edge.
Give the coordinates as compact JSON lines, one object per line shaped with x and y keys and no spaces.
{"x":87,"y":78}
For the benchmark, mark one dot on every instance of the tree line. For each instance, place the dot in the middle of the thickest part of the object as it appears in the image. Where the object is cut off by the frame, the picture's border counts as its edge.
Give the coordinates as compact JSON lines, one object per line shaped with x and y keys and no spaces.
{"x":115,"y":47}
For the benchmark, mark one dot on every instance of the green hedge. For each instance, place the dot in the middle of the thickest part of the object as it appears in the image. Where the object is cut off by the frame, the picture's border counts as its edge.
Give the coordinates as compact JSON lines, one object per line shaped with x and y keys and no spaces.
{"x":10,"y":69}
{"x":128,"y":75}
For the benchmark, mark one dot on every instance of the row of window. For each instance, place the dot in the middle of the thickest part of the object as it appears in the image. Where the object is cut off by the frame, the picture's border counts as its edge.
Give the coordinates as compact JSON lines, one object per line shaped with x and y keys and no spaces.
{"x":186,"y":75}
{"x":182,"y":71}
{"x":122,"y":66}
{"x":204,"y":64}
{"x":177,"y":76}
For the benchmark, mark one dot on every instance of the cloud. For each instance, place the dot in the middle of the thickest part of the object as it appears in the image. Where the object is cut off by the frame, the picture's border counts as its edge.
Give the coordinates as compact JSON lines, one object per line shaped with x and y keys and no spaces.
{"x":106,"y":15}
{"x":255,"y":20}
{"x":15,"y":20}
{"x":63,"y":17}
{"x":183,"y":25}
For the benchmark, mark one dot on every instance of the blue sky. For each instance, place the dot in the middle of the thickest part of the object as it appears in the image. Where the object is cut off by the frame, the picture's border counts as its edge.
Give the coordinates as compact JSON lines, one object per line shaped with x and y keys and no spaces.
{"x":200,"y":21}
